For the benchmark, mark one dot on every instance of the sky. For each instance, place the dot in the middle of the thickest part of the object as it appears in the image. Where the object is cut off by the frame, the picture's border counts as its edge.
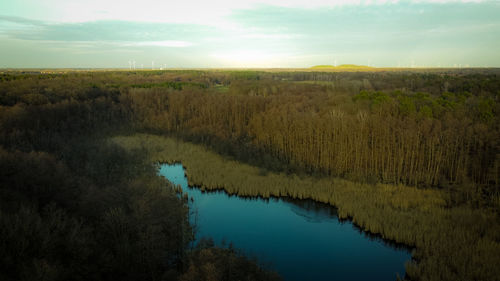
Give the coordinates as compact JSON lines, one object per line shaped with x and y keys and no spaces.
{"x":248,"y":33}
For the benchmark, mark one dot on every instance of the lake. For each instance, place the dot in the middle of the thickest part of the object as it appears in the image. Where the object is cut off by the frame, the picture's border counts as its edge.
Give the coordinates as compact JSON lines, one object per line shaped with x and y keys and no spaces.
{"x":300,"y":239}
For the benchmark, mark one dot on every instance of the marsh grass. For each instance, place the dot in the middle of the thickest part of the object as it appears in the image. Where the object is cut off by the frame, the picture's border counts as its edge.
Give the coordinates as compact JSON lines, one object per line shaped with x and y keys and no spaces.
{"x":451,"y":243}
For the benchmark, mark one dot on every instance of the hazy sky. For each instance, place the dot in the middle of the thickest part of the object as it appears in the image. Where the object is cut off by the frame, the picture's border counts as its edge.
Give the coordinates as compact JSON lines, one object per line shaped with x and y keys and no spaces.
{"x":248,"y":33}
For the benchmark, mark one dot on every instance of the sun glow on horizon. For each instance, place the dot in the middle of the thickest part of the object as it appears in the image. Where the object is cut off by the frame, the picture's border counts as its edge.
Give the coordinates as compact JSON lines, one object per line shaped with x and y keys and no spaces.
{"x":248,"y":58}
{"x":249,"y":33}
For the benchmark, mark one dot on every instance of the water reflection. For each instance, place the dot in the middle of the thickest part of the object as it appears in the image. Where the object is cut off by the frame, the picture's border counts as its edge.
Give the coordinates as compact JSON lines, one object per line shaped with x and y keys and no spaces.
{"x":302,"y":239}
{"x":311,"y":211}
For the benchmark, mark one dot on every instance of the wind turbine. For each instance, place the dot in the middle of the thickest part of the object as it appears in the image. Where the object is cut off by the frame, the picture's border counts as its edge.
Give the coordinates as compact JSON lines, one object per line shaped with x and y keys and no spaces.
{"x":134,"y":64}
{"x":152,"y":65}
{"x":130,"y":65}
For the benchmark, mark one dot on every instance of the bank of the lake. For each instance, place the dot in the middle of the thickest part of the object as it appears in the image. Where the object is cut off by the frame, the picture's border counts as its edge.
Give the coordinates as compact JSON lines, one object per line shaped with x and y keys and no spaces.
{"x":452,"y":243}
{"x":300,"y":239}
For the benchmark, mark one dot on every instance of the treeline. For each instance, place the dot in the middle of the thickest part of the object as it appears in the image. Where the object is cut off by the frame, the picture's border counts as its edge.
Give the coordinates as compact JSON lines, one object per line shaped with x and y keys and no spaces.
{"x":446,"y":137}
{"x":451,"y":242}
{"x":75,"y":206}
{"x":435,"y":128}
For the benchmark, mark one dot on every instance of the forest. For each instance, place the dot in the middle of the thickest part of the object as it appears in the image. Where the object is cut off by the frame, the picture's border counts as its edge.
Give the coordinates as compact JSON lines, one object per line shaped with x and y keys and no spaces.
{"x":74,"y":206}
{"x":411,"y":154}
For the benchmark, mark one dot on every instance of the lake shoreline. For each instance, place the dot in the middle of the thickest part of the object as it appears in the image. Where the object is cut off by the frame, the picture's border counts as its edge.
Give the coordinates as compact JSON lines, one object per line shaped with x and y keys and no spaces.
{"x":318,"y":244}
{"x":371,"y":235}
{"x":446,"y":240}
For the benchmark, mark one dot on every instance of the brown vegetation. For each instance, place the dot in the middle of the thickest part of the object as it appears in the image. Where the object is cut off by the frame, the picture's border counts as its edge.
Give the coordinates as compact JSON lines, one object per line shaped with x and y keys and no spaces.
{"x":417,"y":150}
{"x":399,"y":135}
{"x":451,"y":243}
{"x":72,"y":205}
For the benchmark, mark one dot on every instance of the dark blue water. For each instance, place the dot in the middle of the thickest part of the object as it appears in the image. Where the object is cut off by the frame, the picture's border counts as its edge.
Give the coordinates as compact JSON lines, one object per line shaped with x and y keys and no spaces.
{"x":301,"y":240}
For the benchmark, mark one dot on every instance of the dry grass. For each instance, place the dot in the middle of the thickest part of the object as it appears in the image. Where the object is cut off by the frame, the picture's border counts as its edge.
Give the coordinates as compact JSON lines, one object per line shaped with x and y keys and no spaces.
{"x":459,"y":243}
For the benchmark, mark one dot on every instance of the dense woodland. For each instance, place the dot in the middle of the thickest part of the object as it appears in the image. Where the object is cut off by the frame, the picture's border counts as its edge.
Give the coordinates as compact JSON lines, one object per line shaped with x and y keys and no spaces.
{"x":75,"y":206}
{"x":420,"y":129}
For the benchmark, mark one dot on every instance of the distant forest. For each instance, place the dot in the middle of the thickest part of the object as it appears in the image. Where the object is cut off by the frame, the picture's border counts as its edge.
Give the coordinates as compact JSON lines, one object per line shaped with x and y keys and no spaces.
{"x":416,"y":129}
{"x":74,"y":206}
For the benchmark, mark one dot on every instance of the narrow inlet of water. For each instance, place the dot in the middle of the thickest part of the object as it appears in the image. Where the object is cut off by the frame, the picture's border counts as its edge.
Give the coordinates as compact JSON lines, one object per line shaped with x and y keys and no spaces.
{"x":300,"y":239}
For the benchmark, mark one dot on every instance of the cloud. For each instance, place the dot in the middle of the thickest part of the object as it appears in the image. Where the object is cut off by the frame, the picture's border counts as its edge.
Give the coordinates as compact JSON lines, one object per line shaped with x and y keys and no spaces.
{"x":167,"y":43}
{"x":187,"y":11}
{"x":400,"y":19}
{"x":254,"y":33}
{"x":130,"y":34}
{"x":19,"y":20}
{"x":275,"y":36}
{"x":379,"y":33}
